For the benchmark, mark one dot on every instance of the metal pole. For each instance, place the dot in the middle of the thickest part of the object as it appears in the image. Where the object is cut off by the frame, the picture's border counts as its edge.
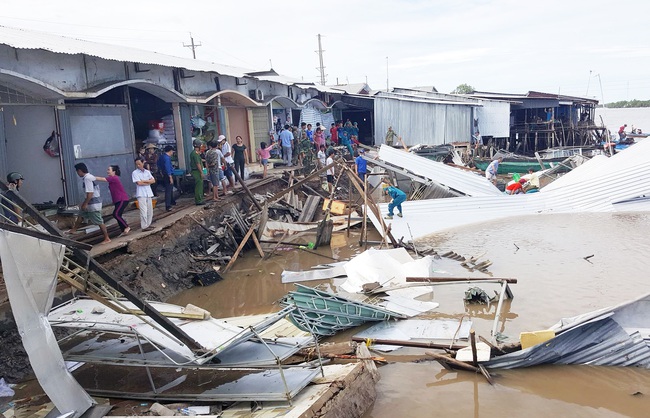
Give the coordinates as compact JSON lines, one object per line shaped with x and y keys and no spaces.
{"x":497,"y":315}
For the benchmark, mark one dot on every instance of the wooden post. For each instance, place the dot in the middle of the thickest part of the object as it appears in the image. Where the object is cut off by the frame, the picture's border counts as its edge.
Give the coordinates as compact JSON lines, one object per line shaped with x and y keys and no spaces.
{"x":247,"y":190}
{"x":364,"y":230}
{"x":241,"y":246}
{"x":347,"y":233}
{"x":472,"y":338}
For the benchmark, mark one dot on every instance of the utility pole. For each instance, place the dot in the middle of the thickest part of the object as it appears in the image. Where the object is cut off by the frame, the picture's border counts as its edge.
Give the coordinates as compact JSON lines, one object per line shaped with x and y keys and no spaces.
{"x":320,"y":60}
{"x":192,"y":45}
{"x":387,"y":75}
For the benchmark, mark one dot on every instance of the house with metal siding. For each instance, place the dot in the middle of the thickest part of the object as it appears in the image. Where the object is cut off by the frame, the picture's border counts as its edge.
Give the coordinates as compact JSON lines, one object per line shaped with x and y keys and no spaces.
{"x":101,"y":98}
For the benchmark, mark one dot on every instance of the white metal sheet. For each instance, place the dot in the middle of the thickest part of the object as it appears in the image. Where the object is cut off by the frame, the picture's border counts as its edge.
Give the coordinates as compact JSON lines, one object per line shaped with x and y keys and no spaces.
{"x":467,"y":183}
{"x":418,"y":329}
{"x":624,"y":176}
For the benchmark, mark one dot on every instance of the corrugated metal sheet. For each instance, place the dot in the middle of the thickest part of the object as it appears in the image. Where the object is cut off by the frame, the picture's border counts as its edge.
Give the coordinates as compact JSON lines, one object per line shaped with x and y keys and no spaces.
{"x":467,"y":183}
{"x":493,"y":118}
{"x":615,"y":336}
{"x":28,"y":39}
{"x":422,"y":121}
{"x":624,"y":176}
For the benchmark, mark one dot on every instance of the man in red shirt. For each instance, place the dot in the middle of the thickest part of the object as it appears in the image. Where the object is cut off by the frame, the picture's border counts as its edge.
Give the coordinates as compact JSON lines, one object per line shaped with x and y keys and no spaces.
{"x":334,"y":133}
{"x":621,"y":132}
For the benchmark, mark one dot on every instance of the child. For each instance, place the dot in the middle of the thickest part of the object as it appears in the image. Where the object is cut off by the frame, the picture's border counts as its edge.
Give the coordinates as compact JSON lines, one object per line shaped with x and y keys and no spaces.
{"x":330,"y":171}
{"x":118,"y":195}
{"x":264,"y":153}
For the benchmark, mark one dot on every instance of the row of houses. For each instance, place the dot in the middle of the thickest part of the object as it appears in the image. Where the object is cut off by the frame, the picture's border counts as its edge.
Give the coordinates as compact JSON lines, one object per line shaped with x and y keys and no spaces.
{"x":101,"y":101}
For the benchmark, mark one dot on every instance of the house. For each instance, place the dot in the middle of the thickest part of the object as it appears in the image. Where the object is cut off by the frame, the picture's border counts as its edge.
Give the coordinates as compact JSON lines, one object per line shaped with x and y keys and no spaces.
{"x":104,"y":102}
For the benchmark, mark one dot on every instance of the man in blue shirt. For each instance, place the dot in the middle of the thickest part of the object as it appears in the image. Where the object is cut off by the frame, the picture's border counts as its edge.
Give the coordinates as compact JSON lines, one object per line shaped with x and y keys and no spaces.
{"x":286,"y":138}
{"x":167,"y":174}
{"x":398,"y":196}
{"x":361,"y":165}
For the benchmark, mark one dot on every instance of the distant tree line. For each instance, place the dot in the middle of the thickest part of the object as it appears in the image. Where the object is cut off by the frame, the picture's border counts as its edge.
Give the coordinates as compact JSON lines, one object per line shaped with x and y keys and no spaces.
{"x":629,"y":103}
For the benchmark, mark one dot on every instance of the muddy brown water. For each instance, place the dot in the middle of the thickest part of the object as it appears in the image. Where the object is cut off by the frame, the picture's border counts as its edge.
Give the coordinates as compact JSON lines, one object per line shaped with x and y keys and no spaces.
{"x":546,"y":254}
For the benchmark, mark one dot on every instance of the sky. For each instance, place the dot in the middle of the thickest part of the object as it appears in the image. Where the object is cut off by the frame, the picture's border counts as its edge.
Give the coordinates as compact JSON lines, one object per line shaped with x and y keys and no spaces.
{"x":598,"y":49}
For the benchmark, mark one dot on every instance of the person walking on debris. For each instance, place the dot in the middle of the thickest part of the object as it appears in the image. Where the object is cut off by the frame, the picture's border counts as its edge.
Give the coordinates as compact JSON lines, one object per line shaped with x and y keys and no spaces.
{"x":166,"y":172}
{"x":492,"y":170}
{"x":10,"y":210}
{"x":398,"y":197}
{"x":286,"y":138}
{"x":264,"y":154}
{"x":214,"y":160}
{"x":391,"y":135}
{"x":361,"y":165}
{"x":229,"y":161}
{"x":241,"y":157}
{"x":91,"y":207}
{"x":143,"y":181}
{"x":330,"y":171}
{"x":118,"y":195}
{"x":197,"y":173}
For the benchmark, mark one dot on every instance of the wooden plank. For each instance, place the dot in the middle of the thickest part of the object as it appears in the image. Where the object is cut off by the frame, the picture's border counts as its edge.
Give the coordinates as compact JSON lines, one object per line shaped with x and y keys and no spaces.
{"x":279,"y":195}
{"x":337,"y":207}
{"x":247,"y":190}
{"x":257,"y":245}
{"x":309,"y":210}
{"x":241,"y":247}
{"x":456,"y":279}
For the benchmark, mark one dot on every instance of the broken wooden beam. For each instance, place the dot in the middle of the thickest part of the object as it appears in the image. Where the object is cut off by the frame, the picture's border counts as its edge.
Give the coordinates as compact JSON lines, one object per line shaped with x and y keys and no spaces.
{"x":457,"y":279}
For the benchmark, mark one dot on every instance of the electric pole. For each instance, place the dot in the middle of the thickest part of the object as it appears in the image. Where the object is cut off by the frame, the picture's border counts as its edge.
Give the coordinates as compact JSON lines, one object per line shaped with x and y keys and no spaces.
{"x":387,"y":75}
{"x":320,"y":60}
{"x":192,"y":45}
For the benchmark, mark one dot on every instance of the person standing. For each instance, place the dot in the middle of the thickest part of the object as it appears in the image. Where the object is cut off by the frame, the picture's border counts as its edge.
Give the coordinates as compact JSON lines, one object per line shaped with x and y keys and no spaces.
{"x":330,"y":171}
{"x":319,"y":138}
{"x":241,"y":157}
{"x":91,"y":207}
{"x":151,"y":164}
{"x":286,"y":139}
{"x":390,"y":136}
{"x":492,"y":170}
{"x":361,"y":165}
{"x":226,"y":152}
{"x":334,"y":134}
{"x":143,"y":194}
{"x":166,"y":172}
{"x":214,"y":160}
{"x":398,"y":197}
{"x":263,"y":154}
{"x":118,"y":195}
{"x":196,"y":169}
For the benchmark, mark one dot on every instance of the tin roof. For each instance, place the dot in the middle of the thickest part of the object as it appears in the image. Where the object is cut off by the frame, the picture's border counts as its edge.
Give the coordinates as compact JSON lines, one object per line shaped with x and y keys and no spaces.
{"x":604,"y":189}
{"x":30,"y":39}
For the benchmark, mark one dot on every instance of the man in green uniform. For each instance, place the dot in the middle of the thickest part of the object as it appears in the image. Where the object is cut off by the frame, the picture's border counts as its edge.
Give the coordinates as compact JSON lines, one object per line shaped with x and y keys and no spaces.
{"x":306,"y":154}
{"x":197,"y":172}
{"x":390,"y":136}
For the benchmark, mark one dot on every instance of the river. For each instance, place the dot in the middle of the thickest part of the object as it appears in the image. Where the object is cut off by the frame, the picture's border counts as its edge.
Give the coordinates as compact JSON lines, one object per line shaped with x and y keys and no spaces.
{"x":546,"y":253}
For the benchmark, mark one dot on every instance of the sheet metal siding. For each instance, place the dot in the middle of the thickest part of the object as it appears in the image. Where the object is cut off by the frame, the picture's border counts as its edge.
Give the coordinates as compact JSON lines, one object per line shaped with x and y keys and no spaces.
{"x":24,"y":39}
{"x":493,"y":119}
{"x":465,"y":182}
{"x":420,"y":122}
{"x":609,"y":182}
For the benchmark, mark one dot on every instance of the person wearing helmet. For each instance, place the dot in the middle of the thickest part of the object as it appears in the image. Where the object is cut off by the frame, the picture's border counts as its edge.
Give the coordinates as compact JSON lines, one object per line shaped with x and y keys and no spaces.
{"x":10,"y":210}
{"x":196,"y":166}
{"x":398,"y":197}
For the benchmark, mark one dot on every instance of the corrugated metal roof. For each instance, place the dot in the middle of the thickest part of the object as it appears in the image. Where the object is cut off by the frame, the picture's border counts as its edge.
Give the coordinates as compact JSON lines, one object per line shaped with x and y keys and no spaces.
{"x":467,"y":183}
{"x":624,"y":176}
{"x":615,"y":336}
{"x":29,"y":39}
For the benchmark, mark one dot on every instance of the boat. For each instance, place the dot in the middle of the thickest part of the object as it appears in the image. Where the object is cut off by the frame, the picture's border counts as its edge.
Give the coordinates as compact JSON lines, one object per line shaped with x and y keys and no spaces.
{"x":515,"y":163}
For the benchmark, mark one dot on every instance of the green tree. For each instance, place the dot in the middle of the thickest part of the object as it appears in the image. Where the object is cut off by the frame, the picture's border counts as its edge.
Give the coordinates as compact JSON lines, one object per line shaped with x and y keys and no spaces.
{"x":463,"y":89}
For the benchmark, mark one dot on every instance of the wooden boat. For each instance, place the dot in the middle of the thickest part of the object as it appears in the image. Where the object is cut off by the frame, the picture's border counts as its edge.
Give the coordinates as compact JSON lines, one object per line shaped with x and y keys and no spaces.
{"x":515,"y":163}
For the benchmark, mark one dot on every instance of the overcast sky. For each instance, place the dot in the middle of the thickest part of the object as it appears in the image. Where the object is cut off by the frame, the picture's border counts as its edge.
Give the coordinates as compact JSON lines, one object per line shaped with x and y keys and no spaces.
{"x":510,"y":46}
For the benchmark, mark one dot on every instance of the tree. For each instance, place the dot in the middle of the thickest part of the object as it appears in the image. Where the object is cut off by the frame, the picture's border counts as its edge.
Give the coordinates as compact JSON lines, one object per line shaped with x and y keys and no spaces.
{"x":463,"y":89}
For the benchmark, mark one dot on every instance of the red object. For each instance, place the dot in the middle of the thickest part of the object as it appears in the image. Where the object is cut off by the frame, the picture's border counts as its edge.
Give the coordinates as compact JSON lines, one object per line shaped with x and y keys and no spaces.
{"x":156,"y":124}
